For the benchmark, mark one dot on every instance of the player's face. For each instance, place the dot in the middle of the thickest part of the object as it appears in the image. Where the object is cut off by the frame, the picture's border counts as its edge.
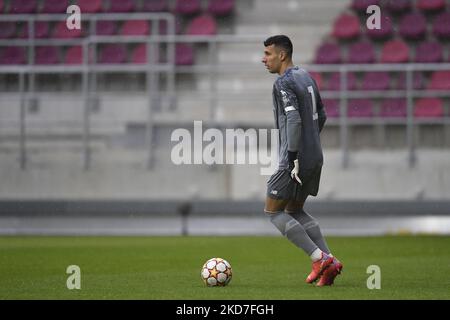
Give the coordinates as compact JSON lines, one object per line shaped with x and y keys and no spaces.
{"x":272,"y":59}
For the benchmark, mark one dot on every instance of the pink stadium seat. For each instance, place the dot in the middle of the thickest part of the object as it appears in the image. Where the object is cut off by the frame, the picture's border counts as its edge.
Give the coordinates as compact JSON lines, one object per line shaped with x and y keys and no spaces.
{"x":440,"y":80}
{"x":384,"y":32}
{"x":135,"y":28}
{"x":113,"y":54}
{"x":361,"y":5}
{"x":121,"y":6}
{"x":395,"y":51}
{"x":155,"y":5}
{"x":61,"y":31}
{"x":413,"y":26}
{"x":429,"y":52}
{"x":361,"y":52}
{"x":54,"y":6}
{"x":184,"y":54}
{"x":7,"y":29}
{"x":46,"y":55}
{"x":398,"y":6}
{"x":187,"y":7}
{"x":375,"y":81}
{"x":74,"y":55}
{"x":23,"y":6}
{"x":429,"y":108}
{"x":13,"y":55}
{"x":360,"y":108}
{"x":90,"y":6}
{"x":204,"y":25}
{"x":317,"y":76}
{"x":430,"y":5}
{"x":331,"y":108}
{"x":346,"y":27}
{"x":418,"y":81}
{"x":41,"y":30}
{"x":220,"y":7}
{"x":106,"y":27}
{"x":393,"y":108}
{"x":441,"y":26}
{"x":328,"y":53}
{"x":334,"y":82}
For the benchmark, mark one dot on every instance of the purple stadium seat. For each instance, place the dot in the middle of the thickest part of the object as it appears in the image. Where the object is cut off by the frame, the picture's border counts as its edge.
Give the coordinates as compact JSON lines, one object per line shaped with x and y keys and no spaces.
{"x":393,"y":108}
{"x":440,"y":80}
{"x":106,"y":27}
{"x":441,"y":26}
{"x":331,"y":108}
{"x":46,"y":55}
{"x":220,"y":7}
{"x":429,"y":108}
{"x":328,"y":53}
{"x":204,"y":25}
{"x":187,"y":7}
{"x":430,"y":5}
{"x":13,"y":55}
{"x":7,"y":29}
{"x":54,"y":6}
{"x":384,"y":32}
{"x":429,"y":52}
{"x":395,"y":51}
{"x":361,"y":52}
{"x":121,"y":6}
{"x":375,"y":81}
{"x":334,"y":82}
{"x":418,"y":81}
{"x":360,"y":108}
{"x":113,"y":53}
{"x":398,"y":6}
{"x":155,"y":5}
{"x":90,"y":6}
{"x":361,"y":5}
{"x":41,"y":30}
{"x":413,"y":26}
{"x":346,"y":27}
{"x":184,"y":54}
{"x":61,"y":31}
{"x":23,"y":6}
{"x":74,"y":55}
{"x":135,"y":28}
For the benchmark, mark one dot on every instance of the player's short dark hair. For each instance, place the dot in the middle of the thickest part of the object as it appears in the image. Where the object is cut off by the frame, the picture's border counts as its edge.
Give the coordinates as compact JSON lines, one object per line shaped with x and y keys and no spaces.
{"x":282,"y":42}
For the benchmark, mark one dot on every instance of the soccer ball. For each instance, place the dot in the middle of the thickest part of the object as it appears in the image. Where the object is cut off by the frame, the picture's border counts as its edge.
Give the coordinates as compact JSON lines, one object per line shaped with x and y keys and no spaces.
{"x":216,"y":272}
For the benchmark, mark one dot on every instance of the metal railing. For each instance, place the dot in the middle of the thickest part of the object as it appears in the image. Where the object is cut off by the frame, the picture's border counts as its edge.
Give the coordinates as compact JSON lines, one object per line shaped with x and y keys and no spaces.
{"x":153,"y":68}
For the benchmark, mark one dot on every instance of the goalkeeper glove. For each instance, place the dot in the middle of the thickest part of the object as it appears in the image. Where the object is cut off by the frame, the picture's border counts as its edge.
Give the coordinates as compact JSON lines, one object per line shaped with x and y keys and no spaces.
{"x":294,"y":167}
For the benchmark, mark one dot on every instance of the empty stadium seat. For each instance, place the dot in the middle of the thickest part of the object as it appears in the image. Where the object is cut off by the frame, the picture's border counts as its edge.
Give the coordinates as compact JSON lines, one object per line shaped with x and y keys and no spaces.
{"x":430,"y":5}
{"x":361,"y":52}
{"x":441,"y":26}
{"x":375,"y":81}
{"x":334,"y":81}
{"x":74,"y":55}
{"x":393,"y":108}
{"x":361,"y":5}
{"x":54,"y":6}
{"x":317,"y":76}
{"x":328,"y":53}
{"x":135,"y":28}
{"x":113,"y":54}
{"x":90,"y":6}
{"x":184,"y":54}
{"x":429,"y":108}
{"x":7,"y":30}
{"x":121,"y":6}
{"x":155,"y":5}
{"x":204,"y":25}
{"x":14,"y":55}
{"x":398,"y":6}
{"x":346,"y":27}
{"x":187,"y":7}
{"x":41,"y":30}
{"x":46,"y":55}
{"x":440,"y":80}
{"x":331,"y":108}
{"x":220,"y":7}
{"x":429,"y":52}
{"x":395,"y":51}
{"x":413,"y":26}
{"x":360,"y":108}
{"x":23,"y":6}
{"x":61,"y":31}
{"x":386,"y":29}
{"x":106,"y":27}
{"x":418,"y":81}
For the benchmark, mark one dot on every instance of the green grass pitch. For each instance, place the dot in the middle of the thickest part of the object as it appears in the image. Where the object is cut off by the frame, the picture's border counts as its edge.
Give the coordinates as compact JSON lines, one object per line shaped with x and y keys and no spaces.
{"x":412,"y":267}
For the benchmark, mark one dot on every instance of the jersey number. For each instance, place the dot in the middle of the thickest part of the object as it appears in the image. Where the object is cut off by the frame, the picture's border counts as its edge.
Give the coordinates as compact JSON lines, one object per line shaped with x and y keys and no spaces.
{"x":314,"y":106}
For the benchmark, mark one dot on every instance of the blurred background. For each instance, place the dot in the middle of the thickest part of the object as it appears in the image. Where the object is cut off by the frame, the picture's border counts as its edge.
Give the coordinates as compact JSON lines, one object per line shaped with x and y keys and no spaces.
{"x":86,"y":115}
